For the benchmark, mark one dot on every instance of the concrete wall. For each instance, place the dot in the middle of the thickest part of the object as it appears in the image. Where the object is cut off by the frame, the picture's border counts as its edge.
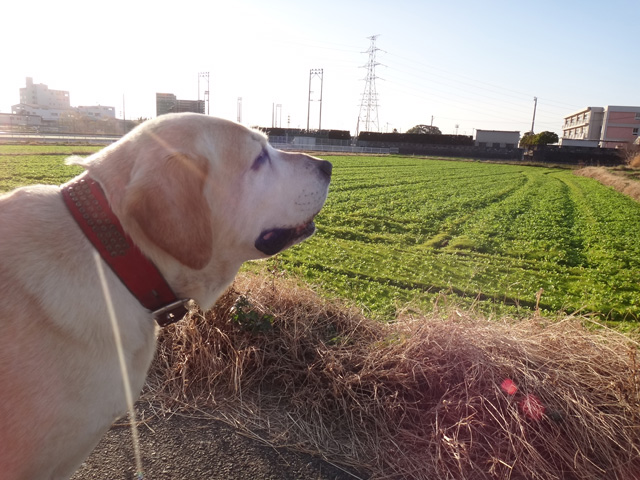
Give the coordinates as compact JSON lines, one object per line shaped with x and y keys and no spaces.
{"x":575,"y":155}
{"x":572,"y":142}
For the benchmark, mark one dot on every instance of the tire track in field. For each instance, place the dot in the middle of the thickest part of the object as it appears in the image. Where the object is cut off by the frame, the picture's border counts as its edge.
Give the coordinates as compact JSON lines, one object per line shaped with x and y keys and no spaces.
{"x":417,"y":286}
{"x":411,"y":208}
{"x":474,"y":209}
{"x":574,"y":219}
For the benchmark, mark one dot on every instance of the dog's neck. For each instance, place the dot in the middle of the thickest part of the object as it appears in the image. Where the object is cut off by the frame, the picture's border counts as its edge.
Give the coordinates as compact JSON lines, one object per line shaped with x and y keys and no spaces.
{"x":90,"y":209}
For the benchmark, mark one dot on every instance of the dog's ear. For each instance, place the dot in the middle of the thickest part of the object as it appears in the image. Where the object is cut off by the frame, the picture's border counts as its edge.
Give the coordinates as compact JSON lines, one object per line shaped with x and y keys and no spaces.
{"x":169,"y":206}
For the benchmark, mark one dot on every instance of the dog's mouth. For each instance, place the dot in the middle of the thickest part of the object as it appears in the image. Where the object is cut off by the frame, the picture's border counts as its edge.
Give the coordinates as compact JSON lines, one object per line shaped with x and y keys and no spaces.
{"x":275,"y":240}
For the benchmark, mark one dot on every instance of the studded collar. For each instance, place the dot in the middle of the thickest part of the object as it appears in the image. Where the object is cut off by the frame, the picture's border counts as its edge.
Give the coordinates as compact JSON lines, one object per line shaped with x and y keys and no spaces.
{"x":90,"y":209}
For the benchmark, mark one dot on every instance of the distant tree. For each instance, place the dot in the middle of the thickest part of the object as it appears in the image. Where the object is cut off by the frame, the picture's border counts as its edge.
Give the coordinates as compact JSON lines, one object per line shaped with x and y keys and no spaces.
{"x":530,"y":139}
{"x":545,"y":138}
{"x":425,"y":129}
{"x":527,"y":139}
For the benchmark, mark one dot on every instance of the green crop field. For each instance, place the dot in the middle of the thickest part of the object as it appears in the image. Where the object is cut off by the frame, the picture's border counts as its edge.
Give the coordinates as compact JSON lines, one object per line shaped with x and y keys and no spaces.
{"x":403,"y":231}
{"x":23,"y":165}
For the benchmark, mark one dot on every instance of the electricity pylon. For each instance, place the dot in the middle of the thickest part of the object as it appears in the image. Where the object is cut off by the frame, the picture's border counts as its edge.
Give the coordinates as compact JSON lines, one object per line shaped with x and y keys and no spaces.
{"x":368,"y":116}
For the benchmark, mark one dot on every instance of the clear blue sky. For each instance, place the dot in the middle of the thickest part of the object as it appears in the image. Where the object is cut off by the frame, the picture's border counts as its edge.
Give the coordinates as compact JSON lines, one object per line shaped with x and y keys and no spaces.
{"x":474,"y":64}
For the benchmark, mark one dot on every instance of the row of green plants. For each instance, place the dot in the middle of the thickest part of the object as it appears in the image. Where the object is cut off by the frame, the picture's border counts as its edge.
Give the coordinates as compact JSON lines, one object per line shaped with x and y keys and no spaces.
{"x":508,"y":238}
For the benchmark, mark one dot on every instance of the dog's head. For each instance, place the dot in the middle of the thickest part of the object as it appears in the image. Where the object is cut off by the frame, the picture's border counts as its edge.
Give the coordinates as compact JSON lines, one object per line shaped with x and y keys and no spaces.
{"x":209,"y":192}
{"x":289,"y":191}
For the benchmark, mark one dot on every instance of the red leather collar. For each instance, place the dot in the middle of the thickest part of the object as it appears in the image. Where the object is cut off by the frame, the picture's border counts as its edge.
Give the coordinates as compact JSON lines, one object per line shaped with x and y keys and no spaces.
{"x":91,"y":211}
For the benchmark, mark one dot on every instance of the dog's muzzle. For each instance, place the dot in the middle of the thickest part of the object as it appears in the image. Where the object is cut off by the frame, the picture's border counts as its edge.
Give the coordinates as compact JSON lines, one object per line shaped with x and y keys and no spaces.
{"x":275,"y":240}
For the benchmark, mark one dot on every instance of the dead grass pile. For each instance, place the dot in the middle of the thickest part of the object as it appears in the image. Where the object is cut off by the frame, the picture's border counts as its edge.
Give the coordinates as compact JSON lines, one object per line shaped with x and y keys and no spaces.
{"x":621,"y":183}
{"x":635,"y":161}
{"x":448,"y":396}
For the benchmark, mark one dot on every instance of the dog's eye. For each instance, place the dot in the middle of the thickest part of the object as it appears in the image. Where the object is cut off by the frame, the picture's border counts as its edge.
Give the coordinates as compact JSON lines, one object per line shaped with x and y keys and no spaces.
{"x":260,"y":160}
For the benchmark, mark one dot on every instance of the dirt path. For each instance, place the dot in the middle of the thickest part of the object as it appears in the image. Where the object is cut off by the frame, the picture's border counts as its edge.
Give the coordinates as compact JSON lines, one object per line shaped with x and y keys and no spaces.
{"x":198,"y":447}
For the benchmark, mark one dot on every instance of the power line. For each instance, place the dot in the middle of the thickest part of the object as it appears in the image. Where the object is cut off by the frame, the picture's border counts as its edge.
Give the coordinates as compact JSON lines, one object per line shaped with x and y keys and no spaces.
{"x":454,"y":95}
{"x":453,"y":99}
{"x":477,"y":83}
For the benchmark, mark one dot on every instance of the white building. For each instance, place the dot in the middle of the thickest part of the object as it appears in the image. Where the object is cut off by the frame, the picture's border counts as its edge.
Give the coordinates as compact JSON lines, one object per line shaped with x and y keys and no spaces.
{"x":51,"y":105}
{"x":497,"y":139}
{"x":46,"y":113}
{"x":9,"y":119}
{"x":39,"y":94}
{"x":583,"y":126}
{"x":98,"y":112}
{"x":577,"y":142}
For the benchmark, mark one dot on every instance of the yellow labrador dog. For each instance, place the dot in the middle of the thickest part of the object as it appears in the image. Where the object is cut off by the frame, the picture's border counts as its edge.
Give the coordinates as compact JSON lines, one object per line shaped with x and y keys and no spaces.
{"x":173,"y":208}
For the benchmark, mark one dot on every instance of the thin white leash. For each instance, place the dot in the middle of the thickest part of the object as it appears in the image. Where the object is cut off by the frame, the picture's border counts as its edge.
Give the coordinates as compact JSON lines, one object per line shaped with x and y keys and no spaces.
{"x":123,"y":368}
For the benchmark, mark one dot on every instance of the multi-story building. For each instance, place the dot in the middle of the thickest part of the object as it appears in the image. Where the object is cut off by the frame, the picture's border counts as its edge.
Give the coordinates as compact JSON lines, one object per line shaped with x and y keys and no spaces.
{"x":52,"y":105}
{"x":165,"y":103}
{"x":620,"y":126}
{"x":168,"y":103}
{"x":39,"y":94}
{"x":585,"y":124}
{"x":609,"y":127}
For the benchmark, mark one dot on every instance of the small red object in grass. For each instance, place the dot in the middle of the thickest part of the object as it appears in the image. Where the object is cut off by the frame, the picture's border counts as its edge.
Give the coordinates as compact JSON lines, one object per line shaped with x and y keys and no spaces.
{"x":532,"y":407}
{"x":509,"y":387}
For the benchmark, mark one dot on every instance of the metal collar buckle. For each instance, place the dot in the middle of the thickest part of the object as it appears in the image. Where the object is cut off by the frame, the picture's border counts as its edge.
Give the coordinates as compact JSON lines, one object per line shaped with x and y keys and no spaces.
{"x":171,"y":313}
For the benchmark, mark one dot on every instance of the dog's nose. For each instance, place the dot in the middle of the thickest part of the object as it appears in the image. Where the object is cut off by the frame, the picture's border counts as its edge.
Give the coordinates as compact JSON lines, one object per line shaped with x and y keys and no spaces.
{"x":326,"y":167}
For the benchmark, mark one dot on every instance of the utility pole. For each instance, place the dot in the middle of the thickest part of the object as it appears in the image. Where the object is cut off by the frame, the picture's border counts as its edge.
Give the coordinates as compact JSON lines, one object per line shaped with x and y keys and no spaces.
{"x":368,"y":116}
{"x":239,"y":109}
{"x":535,"y":105}
{"x":315,"y":72}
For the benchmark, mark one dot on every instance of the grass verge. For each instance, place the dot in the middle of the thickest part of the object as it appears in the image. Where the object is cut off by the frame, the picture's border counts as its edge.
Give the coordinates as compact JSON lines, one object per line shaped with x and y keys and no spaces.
{"x":448,"y":395}
{"x":620,"y":182}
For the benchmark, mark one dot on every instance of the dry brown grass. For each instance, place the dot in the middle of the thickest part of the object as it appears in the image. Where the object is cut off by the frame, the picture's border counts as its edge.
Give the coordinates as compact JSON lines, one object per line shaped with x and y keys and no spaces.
{"x":417,"y":399}
{"x":621,"y":183}
{"x":635,"y":161}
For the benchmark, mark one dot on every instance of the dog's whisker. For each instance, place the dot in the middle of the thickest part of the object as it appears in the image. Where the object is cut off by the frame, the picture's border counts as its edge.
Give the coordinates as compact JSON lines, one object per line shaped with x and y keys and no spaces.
{"x":123,"y":367}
